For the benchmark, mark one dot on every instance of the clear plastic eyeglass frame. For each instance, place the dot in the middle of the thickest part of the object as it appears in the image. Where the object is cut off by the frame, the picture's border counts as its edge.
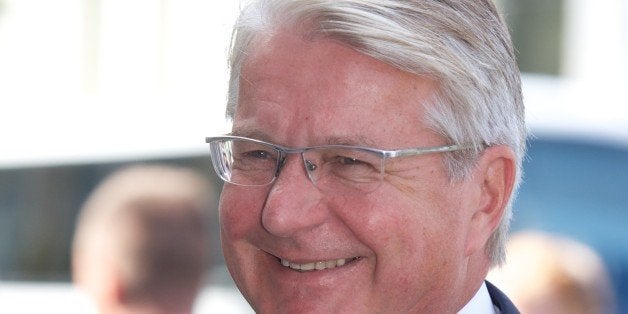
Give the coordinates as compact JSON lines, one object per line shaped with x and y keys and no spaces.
{"x":342,"y":168}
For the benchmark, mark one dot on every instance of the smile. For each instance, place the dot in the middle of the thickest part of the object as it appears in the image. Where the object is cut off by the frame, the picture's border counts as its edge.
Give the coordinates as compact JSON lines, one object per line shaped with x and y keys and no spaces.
{"x":318,"y":265}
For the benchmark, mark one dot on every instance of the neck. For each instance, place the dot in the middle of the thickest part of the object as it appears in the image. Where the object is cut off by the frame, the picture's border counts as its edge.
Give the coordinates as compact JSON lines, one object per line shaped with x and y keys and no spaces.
{"x":476,"y":271}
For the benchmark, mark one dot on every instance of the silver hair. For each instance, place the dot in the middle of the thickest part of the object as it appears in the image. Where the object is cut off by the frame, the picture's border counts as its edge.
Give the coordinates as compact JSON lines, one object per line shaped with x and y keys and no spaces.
{"x":462,"y":44}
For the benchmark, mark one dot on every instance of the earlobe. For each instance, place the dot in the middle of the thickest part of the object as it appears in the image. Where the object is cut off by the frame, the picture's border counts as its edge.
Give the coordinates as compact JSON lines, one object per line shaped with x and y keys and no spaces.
{"x":495,"y":177}
{"x":117,"y":288}
{"x":112,"y":290}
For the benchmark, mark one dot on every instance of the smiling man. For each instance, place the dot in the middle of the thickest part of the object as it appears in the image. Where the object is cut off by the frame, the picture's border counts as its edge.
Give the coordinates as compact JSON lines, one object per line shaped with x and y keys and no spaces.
{"x":375,"y":148}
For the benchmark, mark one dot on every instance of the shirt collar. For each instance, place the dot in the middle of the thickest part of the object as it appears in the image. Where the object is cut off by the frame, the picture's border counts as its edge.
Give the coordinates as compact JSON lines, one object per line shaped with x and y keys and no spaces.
{"x":480,"y":303}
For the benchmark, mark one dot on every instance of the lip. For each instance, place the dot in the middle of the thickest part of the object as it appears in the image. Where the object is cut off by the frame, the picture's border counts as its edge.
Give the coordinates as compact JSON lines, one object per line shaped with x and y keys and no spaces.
{"x":294,"y":290}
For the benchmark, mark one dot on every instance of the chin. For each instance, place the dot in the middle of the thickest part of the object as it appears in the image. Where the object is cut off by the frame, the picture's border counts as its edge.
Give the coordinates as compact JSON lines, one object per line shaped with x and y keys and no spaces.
{"x":310,"y":304}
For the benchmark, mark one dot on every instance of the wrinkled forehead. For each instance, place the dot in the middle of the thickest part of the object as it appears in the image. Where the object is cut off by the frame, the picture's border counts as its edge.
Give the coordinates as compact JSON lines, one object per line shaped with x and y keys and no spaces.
{"x":303,"y":92}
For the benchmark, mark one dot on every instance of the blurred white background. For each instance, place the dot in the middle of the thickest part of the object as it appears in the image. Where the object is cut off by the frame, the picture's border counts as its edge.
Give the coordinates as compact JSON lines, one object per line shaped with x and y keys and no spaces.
{"x":85,"y":80}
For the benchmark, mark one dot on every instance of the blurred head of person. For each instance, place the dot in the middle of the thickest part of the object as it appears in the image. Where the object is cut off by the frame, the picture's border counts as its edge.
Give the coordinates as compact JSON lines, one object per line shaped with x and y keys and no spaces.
{"x":550,"y":274}
{"x":141,"y":242}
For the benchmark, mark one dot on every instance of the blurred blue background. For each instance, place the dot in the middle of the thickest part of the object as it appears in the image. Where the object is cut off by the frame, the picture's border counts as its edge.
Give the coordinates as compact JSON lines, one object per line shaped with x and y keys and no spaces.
{"x":87,"y":86}
{"x":579,"y":188}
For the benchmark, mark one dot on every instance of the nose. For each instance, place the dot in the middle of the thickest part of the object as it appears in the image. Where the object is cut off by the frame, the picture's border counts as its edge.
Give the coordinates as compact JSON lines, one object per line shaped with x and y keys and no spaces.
{"x":309,"y":166}
{"x":293,"y":203}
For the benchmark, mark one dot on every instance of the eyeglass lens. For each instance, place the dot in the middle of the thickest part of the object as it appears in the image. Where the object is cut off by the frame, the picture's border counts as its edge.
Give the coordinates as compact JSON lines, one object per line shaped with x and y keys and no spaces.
{"x":331,"y":168}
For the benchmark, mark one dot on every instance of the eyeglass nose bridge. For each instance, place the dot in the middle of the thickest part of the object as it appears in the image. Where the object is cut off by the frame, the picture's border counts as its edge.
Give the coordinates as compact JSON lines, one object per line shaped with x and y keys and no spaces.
{"x":308,"y":165}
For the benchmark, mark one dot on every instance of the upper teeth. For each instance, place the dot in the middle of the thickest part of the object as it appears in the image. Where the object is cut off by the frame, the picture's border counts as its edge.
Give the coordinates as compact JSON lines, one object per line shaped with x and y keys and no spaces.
{"x":314,"y":265}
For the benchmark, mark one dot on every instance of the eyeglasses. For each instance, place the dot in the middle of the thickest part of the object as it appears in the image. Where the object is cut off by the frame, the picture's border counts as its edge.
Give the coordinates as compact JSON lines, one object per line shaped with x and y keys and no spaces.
{"x":341,"y":168}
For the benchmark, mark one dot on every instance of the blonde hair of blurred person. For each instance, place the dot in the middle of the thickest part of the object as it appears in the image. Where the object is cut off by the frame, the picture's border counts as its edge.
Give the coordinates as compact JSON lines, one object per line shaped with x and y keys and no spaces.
{"x":141,"y":241}
{"x":550,"y":274}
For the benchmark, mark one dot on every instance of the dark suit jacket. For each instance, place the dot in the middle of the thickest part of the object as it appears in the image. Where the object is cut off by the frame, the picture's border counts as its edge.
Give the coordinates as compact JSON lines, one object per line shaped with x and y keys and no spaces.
{"x":500,"y":300}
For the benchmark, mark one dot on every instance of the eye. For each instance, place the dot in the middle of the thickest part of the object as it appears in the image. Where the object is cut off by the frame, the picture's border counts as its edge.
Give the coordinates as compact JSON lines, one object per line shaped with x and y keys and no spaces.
{"x":339,"y":167}
{"x":348,"y":161}
{"x":254,"y":154}
{"x":353,"y":164}
{"x":257,"y":154}
{"x":255,"y":159}
{"x":353,"y":168}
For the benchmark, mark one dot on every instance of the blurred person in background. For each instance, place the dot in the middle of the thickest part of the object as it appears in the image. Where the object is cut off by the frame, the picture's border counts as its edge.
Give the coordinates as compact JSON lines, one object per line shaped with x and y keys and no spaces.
{"x":549,"y":274}
{"x":141,"y":242}
{"x":374,"y":152}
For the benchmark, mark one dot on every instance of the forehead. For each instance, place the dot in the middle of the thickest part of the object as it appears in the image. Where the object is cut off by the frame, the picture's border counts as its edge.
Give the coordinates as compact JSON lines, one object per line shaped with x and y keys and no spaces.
{"x":282,"y":52}
{"x":289,"y":82}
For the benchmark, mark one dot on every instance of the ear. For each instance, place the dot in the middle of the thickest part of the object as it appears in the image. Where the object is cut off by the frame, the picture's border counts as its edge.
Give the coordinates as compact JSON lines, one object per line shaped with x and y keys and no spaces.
{"x":97,"y":274}
{"x":108,"y":288}
{"x":115,"y":290}
{"x":494,"y":177}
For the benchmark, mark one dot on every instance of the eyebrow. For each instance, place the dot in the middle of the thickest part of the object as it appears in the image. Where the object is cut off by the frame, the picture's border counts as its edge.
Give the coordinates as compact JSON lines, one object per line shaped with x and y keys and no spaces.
{"x":351,"y":140}
{"x":250,"y":133}
{"x":356,"y":140}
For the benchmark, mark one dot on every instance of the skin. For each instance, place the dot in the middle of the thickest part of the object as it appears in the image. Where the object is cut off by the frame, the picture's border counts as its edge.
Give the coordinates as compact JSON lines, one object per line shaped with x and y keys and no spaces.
{"x":419,"y":238}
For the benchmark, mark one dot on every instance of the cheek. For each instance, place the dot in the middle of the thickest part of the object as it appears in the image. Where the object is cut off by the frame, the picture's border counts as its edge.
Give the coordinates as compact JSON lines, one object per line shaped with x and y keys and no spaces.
{"x":412,"y":256}
{"x":400,"y":227}
{"x":239,"y":220}
{"x":239,"y":211}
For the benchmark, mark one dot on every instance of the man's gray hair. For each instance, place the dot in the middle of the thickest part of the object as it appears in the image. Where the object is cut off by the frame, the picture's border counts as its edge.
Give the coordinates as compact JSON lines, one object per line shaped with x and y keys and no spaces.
{"x":462,"y":44}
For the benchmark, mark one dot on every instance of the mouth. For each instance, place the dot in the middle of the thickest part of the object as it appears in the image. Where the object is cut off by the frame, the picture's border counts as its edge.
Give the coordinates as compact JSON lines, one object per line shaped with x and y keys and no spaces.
{"x":319,"y":265}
